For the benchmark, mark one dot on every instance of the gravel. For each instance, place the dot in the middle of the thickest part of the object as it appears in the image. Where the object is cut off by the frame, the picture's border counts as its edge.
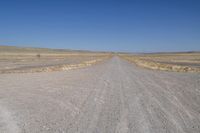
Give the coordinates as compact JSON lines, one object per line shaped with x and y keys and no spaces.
{"x":114,"y":96}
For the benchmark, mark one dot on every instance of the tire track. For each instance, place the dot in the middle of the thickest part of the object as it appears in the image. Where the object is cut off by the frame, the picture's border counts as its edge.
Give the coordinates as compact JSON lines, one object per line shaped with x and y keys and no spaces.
{"x":7,"y":124}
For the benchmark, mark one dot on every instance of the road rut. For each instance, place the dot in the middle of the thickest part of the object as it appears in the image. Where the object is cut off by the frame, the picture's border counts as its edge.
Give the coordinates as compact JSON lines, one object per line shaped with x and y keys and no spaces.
{"x":111,"y":97}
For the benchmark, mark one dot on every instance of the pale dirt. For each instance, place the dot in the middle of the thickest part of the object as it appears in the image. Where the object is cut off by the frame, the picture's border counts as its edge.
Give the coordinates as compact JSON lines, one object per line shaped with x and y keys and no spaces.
{"x":112,"y":97}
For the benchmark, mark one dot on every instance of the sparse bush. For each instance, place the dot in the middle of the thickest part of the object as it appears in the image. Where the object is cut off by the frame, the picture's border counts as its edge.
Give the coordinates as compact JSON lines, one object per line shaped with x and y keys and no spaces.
{"x":38,"y":55}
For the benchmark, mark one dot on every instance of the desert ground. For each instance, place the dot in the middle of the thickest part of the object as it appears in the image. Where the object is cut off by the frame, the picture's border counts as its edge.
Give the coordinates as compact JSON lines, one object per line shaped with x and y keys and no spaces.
{"x":112,"y":95}
{"x":23,"y":60}
{"x":178,"y":62}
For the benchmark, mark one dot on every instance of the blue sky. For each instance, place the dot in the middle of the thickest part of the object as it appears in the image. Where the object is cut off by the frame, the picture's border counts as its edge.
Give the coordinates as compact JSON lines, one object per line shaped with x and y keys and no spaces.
{"x":108,"y":25}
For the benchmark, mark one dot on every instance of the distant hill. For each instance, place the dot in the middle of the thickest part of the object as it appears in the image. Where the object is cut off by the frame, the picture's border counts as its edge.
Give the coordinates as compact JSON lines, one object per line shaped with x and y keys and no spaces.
{"x":14,"y":49}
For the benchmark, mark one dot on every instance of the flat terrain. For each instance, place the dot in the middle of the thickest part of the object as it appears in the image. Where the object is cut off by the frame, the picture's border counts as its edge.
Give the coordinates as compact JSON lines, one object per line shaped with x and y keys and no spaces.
{"x":114,"y":96}
{"x":17,"y":59}
{"x":27,"y":64}
{"x":179,"y":62}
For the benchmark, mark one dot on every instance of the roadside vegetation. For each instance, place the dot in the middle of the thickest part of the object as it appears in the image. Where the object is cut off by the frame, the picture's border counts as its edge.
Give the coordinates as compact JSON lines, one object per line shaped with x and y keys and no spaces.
{"x":23,"y":60}
{"x":178,"y":62}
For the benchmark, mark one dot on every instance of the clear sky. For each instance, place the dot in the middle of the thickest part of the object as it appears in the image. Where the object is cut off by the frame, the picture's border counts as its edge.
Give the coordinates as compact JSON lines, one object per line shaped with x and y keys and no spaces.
{"x":111,"y":25}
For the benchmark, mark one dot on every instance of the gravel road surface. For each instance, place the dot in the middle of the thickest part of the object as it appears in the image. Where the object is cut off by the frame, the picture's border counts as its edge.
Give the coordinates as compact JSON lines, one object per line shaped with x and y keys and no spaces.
{"x":111,"y":97}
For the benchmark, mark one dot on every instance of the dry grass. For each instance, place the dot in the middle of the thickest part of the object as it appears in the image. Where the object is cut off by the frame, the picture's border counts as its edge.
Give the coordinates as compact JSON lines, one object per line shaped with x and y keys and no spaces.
{"x":55,"y":67}
{"x":21,"y":60}
{"x":178,"y":62}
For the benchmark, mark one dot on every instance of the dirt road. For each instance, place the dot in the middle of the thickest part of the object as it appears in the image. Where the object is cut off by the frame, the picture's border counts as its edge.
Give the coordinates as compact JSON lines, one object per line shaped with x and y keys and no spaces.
{"x":112,"y":97}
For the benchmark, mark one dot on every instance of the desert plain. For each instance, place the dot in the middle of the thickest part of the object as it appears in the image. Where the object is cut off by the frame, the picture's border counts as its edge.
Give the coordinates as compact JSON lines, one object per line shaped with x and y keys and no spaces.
{"x":64,"y":91}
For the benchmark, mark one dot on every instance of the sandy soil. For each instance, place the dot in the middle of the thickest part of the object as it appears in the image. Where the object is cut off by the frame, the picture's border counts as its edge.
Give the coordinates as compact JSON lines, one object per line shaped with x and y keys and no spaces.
{"x":114,"y":96}
{"x":177,"y":62}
